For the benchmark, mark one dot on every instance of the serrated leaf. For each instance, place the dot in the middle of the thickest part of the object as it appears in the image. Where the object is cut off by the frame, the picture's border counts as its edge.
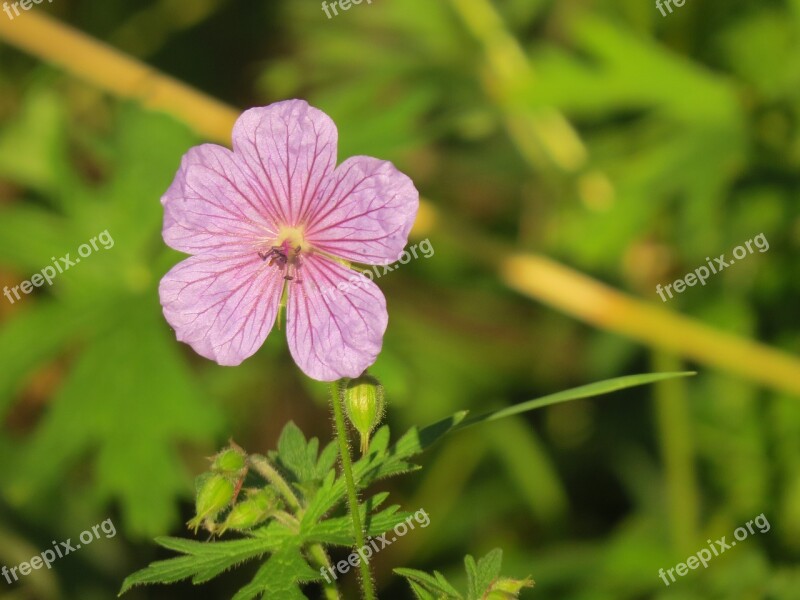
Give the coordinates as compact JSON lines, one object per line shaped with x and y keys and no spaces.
{"x":381,"y":462}
{"x":435,"y":583}
{"x":280,"y":577}
{"x":380,"y":440}
{"x":326,"y":497}
{"x":471,"y":567}
{"x":201,"y":561}
{"x":299,"y":457}
{"x":295,"y":454}
{"x":487,"y":570}
{"x":367,"y":470}
{"x":483,"y":578}
{"x":327,"y":460}
{"x":339,"y":530}
{"x":420,"y":593}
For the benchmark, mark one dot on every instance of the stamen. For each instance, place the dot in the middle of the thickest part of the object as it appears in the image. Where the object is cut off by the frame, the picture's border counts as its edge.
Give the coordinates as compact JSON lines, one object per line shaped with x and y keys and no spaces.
{"x":285,"y":258}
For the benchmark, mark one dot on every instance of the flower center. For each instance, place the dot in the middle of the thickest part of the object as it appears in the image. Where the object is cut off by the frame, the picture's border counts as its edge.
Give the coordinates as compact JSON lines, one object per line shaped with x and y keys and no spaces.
{"x":290,"y":237}
{"x":285,"y":251}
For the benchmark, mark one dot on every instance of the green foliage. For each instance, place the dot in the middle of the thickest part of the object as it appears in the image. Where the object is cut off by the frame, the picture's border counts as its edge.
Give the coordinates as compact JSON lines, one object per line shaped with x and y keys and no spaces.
{"x":690,"y":123}
{"x":304,"y":475}
{"x":483,"y":577}
{"x":128,"y":397}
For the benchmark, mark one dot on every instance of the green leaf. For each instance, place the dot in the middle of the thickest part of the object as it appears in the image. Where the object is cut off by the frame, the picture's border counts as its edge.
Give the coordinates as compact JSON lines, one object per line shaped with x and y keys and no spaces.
{"x":382,"y":461}
{"x":339,"y":530}
{"x":435,"y":583}
{"x":204,"y":561}
{"x":420,"y":593}
{"x":33,"y":145}
{"x":471,"y":567}
{"x":31,"y":236}
{"x":327,"y":460}
{"x":279,"y":577}
{"x":295,"y":454}
{"x":122,"y":409}
{"x":32,"y":338}
{"x":481,"y":576}
{"x":327,"y":496}
{"x":483,"y":581}
{"x":585,"y":391}
{"x":415,"y":441}
{"x":128,"y":399}
{"x":299,"y":458}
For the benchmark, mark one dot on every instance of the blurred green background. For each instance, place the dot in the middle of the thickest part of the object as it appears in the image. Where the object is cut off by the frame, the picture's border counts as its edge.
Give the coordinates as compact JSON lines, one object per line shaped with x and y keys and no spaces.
{"x":627,"y":145}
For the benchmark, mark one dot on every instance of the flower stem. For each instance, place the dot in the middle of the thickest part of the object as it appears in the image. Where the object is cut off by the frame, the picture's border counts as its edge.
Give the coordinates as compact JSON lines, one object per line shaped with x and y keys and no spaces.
{"x":352,"y":496}
{"x":320,"y":558}
{"x":264,"y":468}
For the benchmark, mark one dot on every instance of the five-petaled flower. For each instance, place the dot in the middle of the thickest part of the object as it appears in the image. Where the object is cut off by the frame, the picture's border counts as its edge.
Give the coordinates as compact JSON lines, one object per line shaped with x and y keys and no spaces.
{"x":276,"y":221}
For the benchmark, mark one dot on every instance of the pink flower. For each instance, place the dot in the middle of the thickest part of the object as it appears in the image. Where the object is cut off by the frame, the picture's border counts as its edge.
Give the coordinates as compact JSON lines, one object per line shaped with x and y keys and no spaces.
{"x":276,"y":218}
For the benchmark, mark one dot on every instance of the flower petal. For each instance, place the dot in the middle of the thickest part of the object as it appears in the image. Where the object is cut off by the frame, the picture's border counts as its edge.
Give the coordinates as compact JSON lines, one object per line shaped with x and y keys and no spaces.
{"x":213,"y":205}
{"x":365,"y":213}
{"x":291,"y":148}
{"x":223,"y":307}
{"x":334,"y":331}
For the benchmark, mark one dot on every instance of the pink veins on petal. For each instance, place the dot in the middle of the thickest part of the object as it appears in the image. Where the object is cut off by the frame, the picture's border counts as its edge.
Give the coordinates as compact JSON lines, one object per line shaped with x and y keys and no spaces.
{"x":276,"y":220}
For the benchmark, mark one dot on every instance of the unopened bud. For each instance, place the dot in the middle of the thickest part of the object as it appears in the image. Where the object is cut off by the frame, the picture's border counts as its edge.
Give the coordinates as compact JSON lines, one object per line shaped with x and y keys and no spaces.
{"x":230,"y":461}
{"x":507,"y":589}
{"x":253,"y":511}
{"x":364,"y":405}
{"x":214,"y":493}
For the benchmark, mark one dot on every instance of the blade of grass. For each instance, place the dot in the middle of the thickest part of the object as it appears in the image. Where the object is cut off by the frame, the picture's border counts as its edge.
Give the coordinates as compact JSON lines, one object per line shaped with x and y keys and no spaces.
{"x":585,"y":391}
{"x":427,"y":436}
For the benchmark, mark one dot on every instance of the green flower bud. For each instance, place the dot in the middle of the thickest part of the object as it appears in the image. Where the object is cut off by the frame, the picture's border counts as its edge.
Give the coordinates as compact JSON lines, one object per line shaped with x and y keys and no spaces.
{"x":507,"y":589}
{"x":364,"y":406}
{"x":214,"y":493}
{"x":230,"y":461}
{"x":253,"y":511}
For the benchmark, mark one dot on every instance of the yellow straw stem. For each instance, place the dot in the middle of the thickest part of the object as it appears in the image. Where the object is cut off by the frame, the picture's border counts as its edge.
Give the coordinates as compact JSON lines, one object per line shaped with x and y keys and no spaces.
{"x":596,"y":303}
{"x":107,"y":68}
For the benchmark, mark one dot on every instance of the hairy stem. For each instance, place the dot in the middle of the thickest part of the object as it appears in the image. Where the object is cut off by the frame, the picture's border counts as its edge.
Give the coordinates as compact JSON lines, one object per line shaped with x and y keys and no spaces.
{"x":264,"y":468}
{"x":352,"y":495}
{"x":320,"y":559}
